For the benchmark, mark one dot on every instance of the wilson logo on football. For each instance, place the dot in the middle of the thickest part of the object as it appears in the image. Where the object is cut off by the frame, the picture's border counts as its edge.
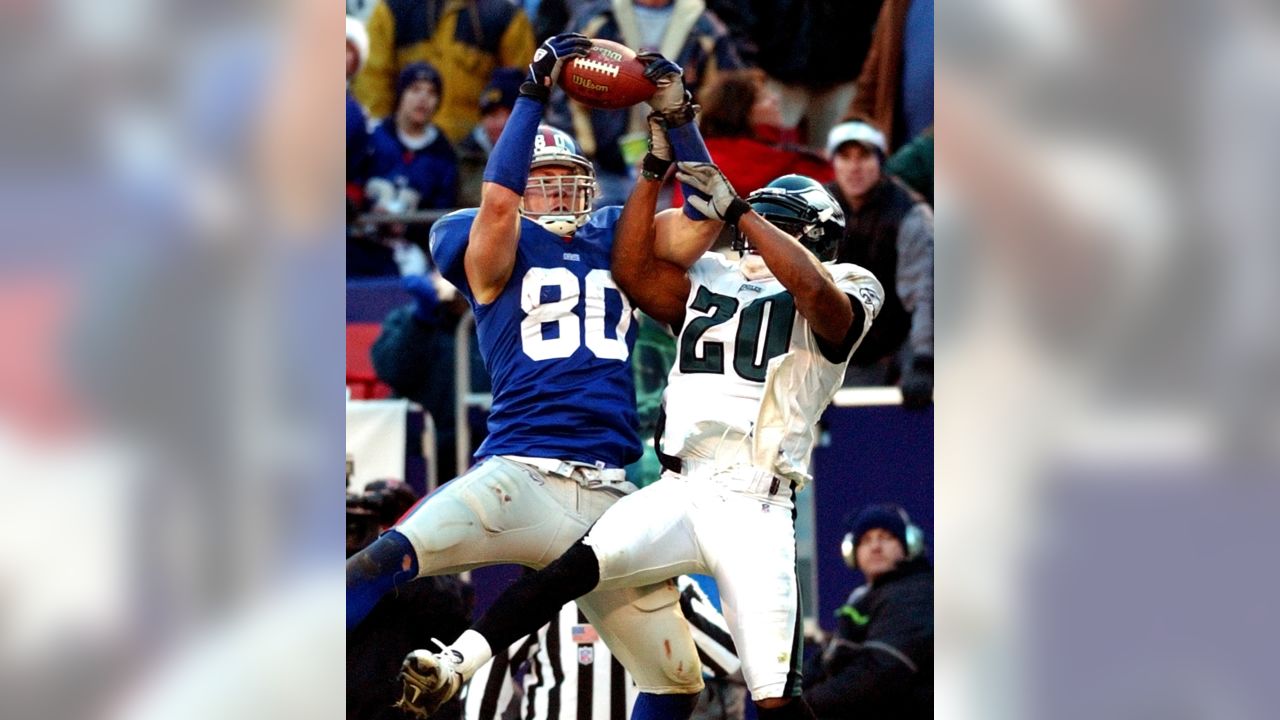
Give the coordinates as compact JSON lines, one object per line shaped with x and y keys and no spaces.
{"x":588,"y":84}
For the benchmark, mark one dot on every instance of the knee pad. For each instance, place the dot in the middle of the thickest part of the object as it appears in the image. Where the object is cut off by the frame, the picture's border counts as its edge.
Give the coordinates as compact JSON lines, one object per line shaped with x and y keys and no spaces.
{"x":387,"y":562}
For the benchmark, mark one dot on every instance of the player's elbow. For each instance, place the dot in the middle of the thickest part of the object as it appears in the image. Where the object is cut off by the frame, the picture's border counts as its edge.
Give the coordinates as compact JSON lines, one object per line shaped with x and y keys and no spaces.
{"x":831,"y":318}
{"x":496,"y":199}
{"x":813,"y":290}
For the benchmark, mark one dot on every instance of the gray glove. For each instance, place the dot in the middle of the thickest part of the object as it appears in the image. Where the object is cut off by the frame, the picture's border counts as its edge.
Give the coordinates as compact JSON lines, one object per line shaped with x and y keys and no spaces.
{"x":722,"y":203}
{"x":658,"y":161}
{"x":659,"y":145}
{"x":669,"y":79}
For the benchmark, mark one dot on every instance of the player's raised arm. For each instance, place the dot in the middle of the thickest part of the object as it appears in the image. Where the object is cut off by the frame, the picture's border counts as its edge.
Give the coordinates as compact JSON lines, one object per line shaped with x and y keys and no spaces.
{"x":491,"y":249}
{"x":673,"y":105}
{"x":830,"y":312}
{"x":679,"y":238}
{"x":655,"y":285}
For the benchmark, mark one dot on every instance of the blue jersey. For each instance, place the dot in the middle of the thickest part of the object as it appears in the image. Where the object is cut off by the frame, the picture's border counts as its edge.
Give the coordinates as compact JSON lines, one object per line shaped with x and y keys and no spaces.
{"x":557,"y":343}
{"x":430,"y":173}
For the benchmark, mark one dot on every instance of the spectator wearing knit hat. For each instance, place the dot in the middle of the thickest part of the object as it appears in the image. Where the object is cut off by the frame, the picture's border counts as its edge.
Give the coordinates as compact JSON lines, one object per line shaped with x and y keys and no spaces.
{"x":879,"y":663}
{"x":412,"y":166}
{"x":889,"y":231}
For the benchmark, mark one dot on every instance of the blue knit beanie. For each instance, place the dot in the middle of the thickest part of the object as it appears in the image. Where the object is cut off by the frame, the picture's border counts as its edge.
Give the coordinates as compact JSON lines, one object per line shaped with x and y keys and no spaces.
{"x":886,"y":517}
{"x":412,"y":73}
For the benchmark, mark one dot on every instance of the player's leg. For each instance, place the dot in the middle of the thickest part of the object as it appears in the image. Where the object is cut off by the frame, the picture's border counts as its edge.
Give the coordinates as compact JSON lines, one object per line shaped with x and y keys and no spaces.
{"x":649,"y":539}
{"x":371,"y":573}
{"x":648,"y":634}
{"x":753,"y":553}
{"x":533,"y":599}
{"x":498,"y":512}
{"x":614,"y":545}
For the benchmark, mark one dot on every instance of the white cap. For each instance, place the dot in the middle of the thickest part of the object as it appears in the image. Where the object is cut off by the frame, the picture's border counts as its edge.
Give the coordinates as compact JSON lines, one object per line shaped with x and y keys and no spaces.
{"x":357,"y":35}
{"x":855,"y":131}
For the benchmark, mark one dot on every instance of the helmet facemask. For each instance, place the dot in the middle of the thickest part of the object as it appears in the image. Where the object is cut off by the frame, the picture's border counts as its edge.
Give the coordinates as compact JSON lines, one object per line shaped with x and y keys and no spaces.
{"x":564,"y":201}
{"x":567,"y":199}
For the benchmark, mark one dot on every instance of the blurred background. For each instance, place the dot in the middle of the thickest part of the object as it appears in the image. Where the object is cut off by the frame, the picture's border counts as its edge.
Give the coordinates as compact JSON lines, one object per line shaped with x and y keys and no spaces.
{"x":171,"y":338}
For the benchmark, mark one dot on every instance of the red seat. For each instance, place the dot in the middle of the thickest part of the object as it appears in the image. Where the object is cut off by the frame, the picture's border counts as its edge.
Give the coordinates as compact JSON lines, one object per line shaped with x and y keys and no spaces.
{"x":361,"y":378}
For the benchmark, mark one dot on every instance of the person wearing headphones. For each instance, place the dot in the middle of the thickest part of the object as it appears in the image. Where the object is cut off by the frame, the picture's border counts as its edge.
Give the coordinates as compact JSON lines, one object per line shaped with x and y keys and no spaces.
{"x":879,"y":663}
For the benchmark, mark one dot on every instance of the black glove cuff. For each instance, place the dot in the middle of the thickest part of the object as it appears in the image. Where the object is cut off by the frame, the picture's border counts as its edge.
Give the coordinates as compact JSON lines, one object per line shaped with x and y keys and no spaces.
{"x":736,"y":210}
{"x":654,"y":167}
{"x":531,"y":89}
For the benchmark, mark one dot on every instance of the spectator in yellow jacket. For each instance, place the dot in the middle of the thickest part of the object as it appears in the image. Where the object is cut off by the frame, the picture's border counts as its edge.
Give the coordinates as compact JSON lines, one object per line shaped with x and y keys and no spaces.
{"x":464,"y":39}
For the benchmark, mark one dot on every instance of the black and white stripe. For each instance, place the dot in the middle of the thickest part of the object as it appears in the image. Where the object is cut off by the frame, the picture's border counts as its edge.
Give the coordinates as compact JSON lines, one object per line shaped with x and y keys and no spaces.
{"x":556,"y":686}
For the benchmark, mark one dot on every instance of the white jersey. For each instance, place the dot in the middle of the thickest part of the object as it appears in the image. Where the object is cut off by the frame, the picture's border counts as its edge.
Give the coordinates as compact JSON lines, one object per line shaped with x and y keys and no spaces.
{"x":750,"y":382}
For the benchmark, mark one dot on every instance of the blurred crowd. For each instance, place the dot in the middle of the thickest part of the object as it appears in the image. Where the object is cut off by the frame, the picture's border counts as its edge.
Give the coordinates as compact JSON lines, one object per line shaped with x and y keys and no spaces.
{"x":844,"y":95}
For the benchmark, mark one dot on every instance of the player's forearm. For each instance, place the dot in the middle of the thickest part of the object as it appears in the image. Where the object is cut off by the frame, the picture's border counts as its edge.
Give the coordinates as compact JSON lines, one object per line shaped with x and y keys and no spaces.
{"x":509,"y":162}
{"x":681,"y":241}
{"x":491,"y":245}
{"x":652,"y":284}
{"x":816,"y":296}
{"x":687,"y":143}
{"x":633,"y":235}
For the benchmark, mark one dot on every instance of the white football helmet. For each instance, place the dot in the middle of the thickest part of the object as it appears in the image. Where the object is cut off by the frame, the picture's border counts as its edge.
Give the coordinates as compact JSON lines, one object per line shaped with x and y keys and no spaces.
{"x":567,"y":197}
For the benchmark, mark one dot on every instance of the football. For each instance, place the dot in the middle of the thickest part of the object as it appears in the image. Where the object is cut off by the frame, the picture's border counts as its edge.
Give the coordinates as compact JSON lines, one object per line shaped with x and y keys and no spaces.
{"x":609,"y":77}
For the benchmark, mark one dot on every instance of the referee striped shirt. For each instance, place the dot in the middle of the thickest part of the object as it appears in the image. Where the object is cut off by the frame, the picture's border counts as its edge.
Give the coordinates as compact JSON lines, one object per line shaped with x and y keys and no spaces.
{"x":567,"y":673}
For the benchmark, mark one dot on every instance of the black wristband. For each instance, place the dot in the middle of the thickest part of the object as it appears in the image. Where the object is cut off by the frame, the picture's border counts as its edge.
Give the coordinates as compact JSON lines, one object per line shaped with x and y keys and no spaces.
{"x":736,"y":210}
{"x":654,"y":167}
{"x":531,"y":89}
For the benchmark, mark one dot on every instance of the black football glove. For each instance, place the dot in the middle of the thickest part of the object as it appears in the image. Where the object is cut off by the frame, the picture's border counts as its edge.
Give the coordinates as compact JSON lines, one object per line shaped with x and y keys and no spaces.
{"x":549,"y":60}
{"x":917,"y":383}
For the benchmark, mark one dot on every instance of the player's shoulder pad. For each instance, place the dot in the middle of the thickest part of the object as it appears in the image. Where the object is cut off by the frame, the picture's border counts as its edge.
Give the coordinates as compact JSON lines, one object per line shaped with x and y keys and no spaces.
{"x":712,"y":261}
{"x":606,"y":216}
{"x":600,"y":226}
{"x":859,"y":282}
{"x":848,"y":272}
{"x":709,"y":265}
{"x":449,"y":236}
